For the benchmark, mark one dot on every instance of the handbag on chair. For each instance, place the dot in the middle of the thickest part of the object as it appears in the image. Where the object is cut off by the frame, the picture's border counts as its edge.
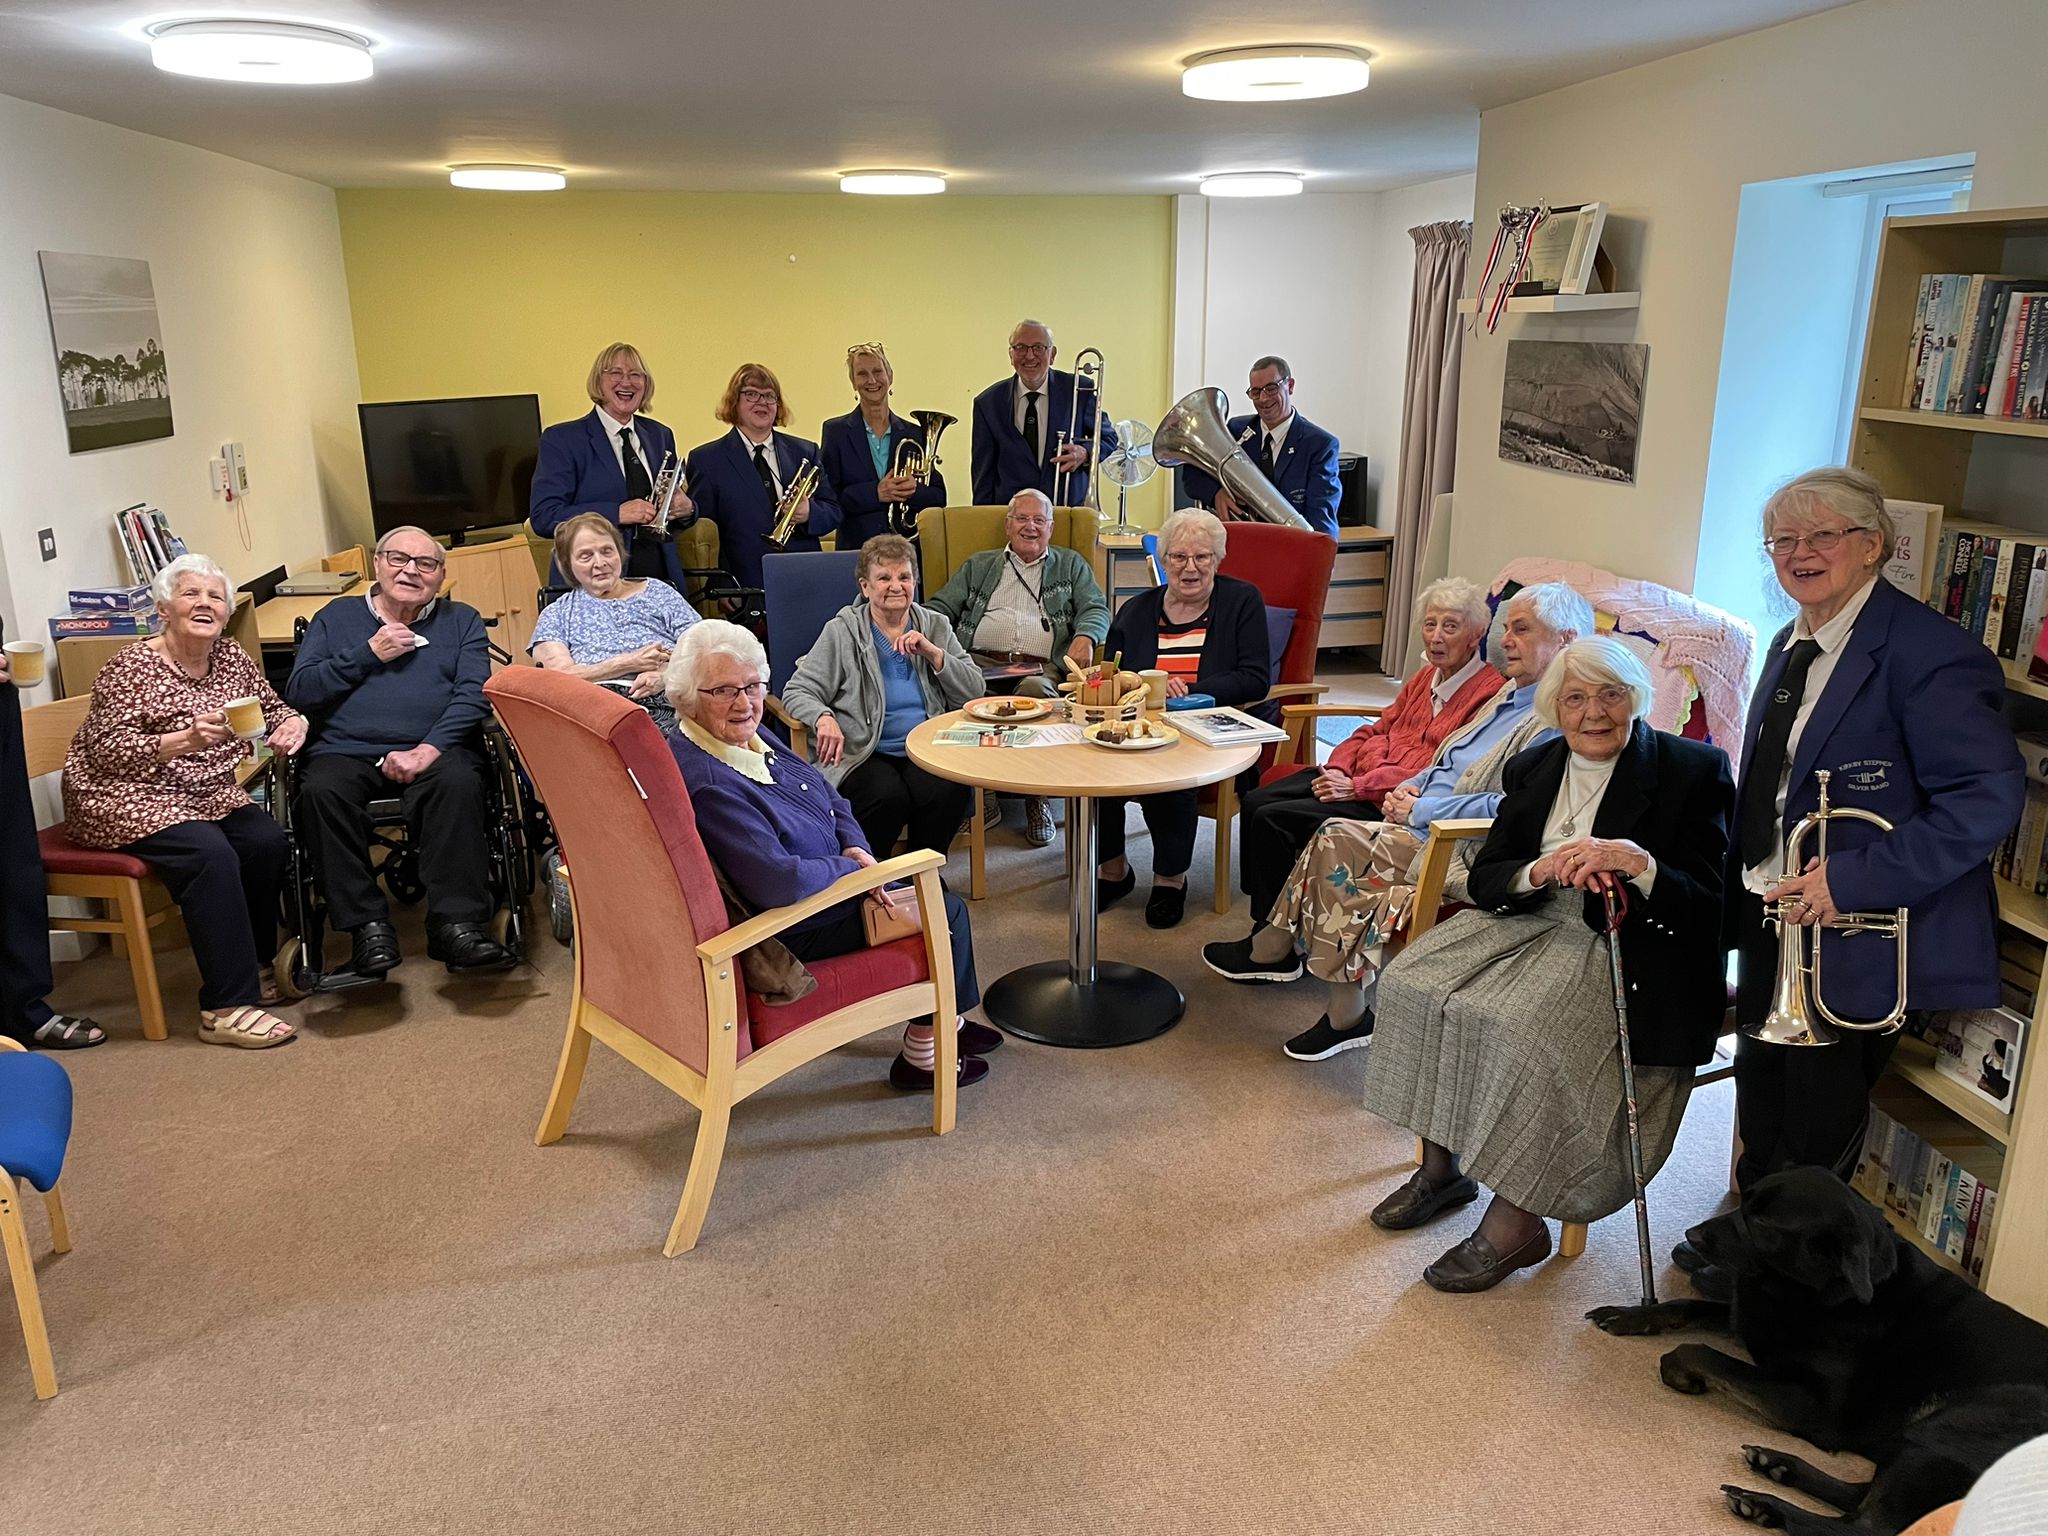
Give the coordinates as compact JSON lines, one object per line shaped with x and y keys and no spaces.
{"x":903,"y":918}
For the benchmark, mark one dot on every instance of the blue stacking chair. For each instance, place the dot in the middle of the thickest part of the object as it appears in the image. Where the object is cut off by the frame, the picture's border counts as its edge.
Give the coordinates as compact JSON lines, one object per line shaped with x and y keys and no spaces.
{"x":35,"y":1128}
{"x":801,"y":591}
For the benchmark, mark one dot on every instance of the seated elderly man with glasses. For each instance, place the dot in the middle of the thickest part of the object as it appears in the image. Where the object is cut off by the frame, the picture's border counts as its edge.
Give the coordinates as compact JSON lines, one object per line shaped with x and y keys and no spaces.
{"x":393,"y":686}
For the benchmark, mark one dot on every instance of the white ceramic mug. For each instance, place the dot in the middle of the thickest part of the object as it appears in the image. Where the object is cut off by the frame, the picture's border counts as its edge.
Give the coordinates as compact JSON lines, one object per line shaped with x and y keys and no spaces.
{"x":25,"y":663}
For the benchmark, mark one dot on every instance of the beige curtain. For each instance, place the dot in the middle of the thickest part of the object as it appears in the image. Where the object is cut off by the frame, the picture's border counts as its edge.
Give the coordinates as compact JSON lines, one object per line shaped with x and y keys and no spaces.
{"x":1429,"y":420}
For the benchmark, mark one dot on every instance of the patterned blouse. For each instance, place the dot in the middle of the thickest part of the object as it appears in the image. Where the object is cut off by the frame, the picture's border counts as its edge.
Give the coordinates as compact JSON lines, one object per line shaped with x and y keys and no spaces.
{"x":598,"y":628}
{"x":116,"y":791}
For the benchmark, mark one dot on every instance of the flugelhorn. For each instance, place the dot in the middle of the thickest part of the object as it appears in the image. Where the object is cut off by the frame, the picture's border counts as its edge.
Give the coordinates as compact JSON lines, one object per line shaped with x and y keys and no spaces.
{"x":1196,"y":432}
{"x":918,"y":462}
{"x":800,"y":486}
{"x":1090,"y":374}
{"x":663,"y":496}
{"x":1799,"y":1014}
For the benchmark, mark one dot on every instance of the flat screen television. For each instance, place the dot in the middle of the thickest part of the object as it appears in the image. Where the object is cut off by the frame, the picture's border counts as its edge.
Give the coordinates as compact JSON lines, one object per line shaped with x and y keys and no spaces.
{"x":450,"y":466}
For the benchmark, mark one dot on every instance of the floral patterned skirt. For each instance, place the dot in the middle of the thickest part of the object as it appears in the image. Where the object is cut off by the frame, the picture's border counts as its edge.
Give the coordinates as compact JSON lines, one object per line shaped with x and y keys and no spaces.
{"x":1352,"y":886}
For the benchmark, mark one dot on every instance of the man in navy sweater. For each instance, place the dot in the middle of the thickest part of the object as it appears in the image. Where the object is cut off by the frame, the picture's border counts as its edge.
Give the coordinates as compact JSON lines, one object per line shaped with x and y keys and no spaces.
{"x":393,"y":686}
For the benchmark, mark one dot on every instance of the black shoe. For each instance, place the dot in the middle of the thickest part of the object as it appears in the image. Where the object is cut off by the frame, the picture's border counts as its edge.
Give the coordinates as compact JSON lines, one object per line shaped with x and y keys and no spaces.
{"x":1688,"y":1258}
{"x":1165,"y":905}
{"x":917,"y":1080}
{"x":1473,"y":1265}
{"x":466,"y":947}
{"x":1233,"y":960}
{"x":1419,"y":1201}
{"x":1320,"y":1041}
{"x":66,"y":1032}
{"x":1109,"y":892}
{"x":978,"y":1039}
{"x":1713,"y":1284}
{"x":375,"y":950}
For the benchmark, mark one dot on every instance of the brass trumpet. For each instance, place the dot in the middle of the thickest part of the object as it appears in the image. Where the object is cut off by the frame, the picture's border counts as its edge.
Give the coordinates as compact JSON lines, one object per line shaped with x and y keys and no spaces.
{"x":918,"y":462}
{"x":1799,"y":1014}
{"x":666,"y":483}
{"x":800,"y":486}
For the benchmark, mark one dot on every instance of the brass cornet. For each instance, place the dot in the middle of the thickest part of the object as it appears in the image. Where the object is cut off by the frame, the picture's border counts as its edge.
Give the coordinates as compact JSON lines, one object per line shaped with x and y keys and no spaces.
{"x":800,"y":486}
{"x":918,"y":463}
{"x":666,"y":483}
{"x":1799,"y":1015}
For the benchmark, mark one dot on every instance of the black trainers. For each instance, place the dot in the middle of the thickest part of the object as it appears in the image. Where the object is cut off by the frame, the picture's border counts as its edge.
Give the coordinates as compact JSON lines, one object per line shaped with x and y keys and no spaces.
{"x":1319,"y":1041}
{"x":1233,"y":960}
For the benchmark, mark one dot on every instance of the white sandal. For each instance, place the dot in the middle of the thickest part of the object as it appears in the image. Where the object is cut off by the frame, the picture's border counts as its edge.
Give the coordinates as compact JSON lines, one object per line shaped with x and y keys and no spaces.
{"x":248,"y":1027}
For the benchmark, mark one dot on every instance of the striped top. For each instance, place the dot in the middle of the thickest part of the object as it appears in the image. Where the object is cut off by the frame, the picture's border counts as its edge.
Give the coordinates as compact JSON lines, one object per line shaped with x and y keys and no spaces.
{"x":1180,"y":646}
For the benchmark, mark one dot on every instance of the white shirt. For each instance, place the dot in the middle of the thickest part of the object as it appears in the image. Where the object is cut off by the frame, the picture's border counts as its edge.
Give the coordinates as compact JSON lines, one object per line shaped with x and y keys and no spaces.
{"x":1018,"y":402}
{"x":1015,"y":618}
{"x":1832,"y":638}
{"x":610,"y":425}
{"x":1444,"y":689}
{"x":1278,"y":434}
{"x":1578,"y":801}
{"x":774,"y":461}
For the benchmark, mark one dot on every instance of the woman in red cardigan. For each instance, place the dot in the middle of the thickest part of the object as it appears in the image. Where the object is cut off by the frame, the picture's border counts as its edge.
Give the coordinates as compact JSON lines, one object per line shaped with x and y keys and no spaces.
{"x":1281,"y":817}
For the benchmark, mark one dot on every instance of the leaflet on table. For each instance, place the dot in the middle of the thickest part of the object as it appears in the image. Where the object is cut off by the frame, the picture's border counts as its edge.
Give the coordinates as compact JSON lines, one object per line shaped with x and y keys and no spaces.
{"x":1007,"y":736}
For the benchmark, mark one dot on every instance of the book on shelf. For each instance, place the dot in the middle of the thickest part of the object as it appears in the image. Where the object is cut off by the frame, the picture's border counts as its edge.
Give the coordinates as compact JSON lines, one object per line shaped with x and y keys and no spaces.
{"x":1930,"y":1178}
{"x":1976,"y":343}
{"x":1916,"y":524}
{"x":1981,"y":1049}
{"x":1222,"y":726}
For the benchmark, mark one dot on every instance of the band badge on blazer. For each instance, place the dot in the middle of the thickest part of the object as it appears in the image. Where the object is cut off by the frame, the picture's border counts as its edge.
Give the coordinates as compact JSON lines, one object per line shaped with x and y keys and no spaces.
{"x":1866,"y":776}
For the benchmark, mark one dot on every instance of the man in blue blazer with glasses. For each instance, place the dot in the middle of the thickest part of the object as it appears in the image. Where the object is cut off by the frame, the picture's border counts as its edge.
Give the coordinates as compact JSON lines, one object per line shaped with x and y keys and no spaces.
{"x":1018,"y":420}
{"x":1298,"y":456}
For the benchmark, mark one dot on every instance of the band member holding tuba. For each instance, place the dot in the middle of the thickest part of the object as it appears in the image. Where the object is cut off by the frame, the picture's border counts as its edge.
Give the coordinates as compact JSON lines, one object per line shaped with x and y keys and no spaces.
{"x":607,"y":463}
{"x":754,"y":478}
{"x":1902,"y":707}
{"x":1298,"y":456}
{"x":1019,"y":423}
{"x":863,"y":451}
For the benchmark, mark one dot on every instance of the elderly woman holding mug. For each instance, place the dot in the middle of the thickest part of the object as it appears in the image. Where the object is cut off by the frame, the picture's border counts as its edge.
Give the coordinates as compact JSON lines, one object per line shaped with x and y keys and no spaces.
{"x":1497,"y":1040}
{"x":881,"y":668}
{"x":151,"y":773}
{"x":610,"y":628}
{"x":780,"y":832}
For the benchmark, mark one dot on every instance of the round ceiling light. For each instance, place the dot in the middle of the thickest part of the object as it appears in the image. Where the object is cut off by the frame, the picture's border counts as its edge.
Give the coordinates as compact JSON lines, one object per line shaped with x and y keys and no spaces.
{"x":266,"y":52}
{"x":1252,"y":184}
{"x":508,"y":178}
{"x":1289,"y":72}
{"x":892,"y":183}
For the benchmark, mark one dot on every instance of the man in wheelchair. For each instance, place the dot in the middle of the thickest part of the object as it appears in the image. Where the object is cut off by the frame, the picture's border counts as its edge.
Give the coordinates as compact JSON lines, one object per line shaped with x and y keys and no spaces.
{"x":393,"y":687}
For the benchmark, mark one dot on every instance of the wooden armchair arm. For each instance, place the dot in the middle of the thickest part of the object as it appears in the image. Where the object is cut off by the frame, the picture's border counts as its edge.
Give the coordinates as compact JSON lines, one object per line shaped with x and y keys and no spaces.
{"x":1436,"y":867}
{"x":1327,"y":712}
{"x":798,"y":733}
{"x":1295,"y":691}
{"x":766,"y":925}
{"x":9,"y":1043}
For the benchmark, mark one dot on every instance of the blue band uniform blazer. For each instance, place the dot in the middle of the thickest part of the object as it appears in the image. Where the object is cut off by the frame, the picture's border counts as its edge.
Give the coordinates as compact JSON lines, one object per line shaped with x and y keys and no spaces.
{"x":850,"y":471}
{"x":1003,"y":462}
{"x":578,"y":471}
{"x":726,"y":489}
{"x":1306,"y":474}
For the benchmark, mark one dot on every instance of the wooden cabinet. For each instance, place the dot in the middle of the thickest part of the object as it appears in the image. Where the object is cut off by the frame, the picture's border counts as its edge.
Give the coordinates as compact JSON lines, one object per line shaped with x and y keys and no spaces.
{"x":499,"y":581}
{"x":80,"y":657}
{"x":1356,"y":611}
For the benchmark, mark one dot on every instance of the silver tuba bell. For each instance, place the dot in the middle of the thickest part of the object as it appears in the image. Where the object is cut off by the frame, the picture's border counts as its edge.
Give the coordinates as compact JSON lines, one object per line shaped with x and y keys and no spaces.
{"x":1195,"y":432}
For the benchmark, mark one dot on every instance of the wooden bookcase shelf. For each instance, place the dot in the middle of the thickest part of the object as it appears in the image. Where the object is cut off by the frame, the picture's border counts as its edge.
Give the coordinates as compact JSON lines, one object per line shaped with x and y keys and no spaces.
{"x":1997,"y":426}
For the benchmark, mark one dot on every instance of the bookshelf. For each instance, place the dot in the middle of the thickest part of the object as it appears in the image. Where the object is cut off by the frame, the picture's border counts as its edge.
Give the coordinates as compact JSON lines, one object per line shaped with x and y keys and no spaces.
{"x":1989,"y":474}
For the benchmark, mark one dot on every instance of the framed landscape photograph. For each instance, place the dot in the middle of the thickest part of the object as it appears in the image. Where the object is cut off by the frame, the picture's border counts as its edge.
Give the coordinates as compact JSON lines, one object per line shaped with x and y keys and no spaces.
{"x":1574,"y":406}
{"x":111,"y":372}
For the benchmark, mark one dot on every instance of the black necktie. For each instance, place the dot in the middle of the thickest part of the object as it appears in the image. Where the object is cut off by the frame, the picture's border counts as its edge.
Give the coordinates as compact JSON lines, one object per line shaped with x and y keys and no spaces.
{"x":1031,"y":424}
{"x":767,"y":475}
{"x":638,"y":486}
{"x":1767,"y":763}
{"x":1266,"y":456}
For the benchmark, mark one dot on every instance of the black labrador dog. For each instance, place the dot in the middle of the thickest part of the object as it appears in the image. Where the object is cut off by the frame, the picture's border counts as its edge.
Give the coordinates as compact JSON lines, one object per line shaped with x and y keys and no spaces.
{"x":1860,"y":1343}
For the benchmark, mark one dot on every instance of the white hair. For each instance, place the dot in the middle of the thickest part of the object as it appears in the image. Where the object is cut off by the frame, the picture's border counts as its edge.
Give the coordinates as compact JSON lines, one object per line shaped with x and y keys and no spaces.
{"x":1552,"y":604}
{"x":1599,"y":660}
{"x":1850,"y":494}
{"x":384,"y":542}
{"x":700,"y":642}
{"x":1031,"y":493}
{"x":1454,"y":594}
{"x":164,"y":584}
{"x":1032,"y":325}
{"x":1206,"y":526}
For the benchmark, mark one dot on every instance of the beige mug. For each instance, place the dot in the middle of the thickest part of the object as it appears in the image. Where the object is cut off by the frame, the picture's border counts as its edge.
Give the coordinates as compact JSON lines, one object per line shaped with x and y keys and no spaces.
{"x":25,"y":662}
{"x":245,"y":718}
{"x":1155,"y":688}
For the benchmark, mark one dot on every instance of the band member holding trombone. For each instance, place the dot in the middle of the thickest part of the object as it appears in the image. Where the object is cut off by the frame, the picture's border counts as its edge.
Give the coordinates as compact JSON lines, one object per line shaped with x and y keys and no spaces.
{"x":607,"y":463}
{"x":760,"y":486}
{"x":862,"y":449}
{"x":1298,"y":456}
{"x":1030,"y":431}
{"x":1901,"y":707}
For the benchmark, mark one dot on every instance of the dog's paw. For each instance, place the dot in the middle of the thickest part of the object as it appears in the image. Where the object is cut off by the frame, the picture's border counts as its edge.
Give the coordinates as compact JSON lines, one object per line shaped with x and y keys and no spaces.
{"x":1679,"y":1376}
{"x":1627,"y":1322}
{"x":1756,"y":1508}
{"x":1775,"y":1465}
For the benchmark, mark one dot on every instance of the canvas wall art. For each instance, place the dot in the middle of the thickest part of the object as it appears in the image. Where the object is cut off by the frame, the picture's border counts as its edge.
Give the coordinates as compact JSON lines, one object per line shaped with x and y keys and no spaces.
{"x":110,"y":358}
{"x":1574,"y":406}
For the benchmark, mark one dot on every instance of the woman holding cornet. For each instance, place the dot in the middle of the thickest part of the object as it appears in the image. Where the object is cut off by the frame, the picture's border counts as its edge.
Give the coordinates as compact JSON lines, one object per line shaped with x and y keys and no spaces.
{"x":863,"y":448}
{"x":754,"y":476}
{"x":1902,"y":707}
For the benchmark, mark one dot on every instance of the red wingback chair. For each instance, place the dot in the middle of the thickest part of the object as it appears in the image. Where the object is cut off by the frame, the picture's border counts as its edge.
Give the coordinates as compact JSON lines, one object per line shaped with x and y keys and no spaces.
{"x":644,"y":895}
{"x":1291,"y":568}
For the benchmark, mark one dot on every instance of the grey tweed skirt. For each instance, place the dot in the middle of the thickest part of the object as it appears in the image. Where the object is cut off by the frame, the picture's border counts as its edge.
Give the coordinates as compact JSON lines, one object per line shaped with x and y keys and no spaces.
{"x":1496,"y":1038}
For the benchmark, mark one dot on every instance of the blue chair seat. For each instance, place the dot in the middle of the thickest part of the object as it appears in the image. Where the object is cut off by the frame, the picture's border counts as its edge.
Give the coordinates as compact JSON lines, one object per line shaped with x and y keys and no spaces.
{"x":35,"y":1118}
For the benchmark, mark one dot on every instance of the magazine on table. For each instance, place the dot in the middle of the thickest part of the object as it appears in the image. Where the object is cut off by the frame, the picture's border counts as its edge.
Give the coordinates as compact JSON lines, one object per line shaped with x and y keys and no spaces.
{"x":1223,"y":726}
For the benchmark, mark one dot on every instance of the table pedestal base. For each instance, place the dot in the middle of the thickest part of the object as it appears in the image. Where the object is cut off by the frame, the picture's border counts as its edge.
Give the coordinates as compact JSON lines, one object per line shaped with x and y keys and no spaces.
{"x":1043,"y":1002}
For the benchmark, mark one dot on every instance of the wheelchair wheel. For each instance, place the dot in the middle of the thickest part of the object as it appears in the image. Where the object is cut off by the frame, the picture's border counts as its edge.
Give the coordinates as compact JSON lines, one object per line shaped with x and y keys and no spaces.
{"x":291,"y":971}
{"x":561,"y":917}
{"x":402,"y":880}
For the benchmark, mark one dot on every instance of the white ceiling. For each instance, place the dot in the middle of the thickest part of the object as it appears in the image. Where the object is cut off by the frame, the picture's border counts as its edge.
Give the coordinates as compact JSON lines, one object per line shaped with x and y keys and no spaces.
{"x":1034,"y":96}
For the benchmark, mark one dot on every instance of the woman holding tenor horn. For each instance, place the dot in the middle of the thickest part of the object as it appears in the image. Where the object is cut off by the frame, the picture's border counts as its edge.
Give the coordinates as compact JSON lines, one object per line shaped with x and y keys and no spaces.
{"x":1901,"y":707}
{"x":754,"y":478}
{"x":863,"y":449}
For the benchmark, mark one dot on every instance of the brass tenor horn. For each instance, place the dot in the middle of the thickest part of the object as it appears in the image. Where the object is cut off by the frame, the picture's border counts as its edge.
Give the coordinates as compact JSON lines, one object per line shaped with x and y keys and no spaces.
{"x":918,"y":462}
{"x":800,"y":486}
{"x":1195,"y":432}
{"x":1799,"y":1014}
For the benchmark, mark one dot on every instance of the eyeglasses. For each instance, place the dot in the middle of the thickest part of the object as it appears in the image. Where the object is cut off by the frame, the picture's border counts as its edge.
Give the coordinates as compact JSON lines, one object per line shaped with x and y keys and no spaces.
{"x":425,"y":564}
{"x":1266,"y":391}
{"x":1029,"y":348}
{"x":1610,"y":697}
{"x":725,"y":693}
{"x":1821,"y":543}
{"x":1204,"y":558}
{"x":866,"y":348}
{"x":625,"y":373}
{"x":762,"y":396}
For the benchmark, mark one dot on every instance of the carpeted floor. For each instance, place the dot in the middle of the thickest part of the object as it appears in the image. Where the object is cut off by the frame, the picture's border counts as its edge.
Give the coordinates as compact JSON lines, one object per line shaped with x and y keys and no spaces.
{"x":336,"y":1288}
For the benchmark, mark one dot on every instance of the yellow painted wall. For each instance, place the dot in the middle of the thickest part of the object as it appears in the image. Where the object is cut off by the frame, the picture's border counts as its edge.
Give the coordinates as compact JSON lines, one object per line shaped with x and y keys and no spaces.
{"x":458,"y":293}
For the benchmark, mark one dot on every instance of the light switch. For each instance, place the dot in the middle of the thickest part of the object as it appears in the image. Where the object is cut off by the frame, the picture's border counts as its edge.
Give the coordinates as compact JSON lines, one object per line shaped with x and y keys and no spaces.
{"x":47,"y":537}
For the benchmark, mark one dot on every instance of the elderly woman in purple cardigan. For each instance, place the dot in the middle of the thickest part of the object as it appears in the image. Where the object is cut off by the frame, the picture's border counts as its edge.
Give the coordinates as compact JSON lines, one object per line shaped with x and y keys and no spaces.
{"x":780,"y":832}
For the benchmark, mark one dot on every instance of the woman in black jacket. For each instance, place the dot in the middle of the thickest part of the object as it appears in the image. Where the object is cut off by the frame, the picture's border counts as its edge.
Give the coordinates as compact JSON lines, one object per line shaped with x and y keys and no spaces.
{"x":1496,"y":1039}
{"x":1207,"y":632}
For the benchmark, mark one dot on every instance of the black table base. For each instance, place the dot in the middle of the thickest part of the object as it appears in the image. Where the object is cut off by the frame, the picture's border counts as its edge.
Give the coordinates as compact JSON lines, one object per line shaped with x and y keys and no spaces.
{"x":1123,"y":1005}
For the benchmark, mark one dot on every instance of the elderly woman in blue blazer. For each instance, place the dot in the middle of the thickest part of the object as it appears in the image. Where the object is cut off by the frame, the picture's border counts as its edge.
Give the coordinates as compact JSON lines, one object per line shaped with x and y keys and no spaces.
{"x":1207,"y":632}
{"x":860,"y":447}
{"x":1902,"y":707}
{"x":739,"y":478}
{"x":606,"y":463}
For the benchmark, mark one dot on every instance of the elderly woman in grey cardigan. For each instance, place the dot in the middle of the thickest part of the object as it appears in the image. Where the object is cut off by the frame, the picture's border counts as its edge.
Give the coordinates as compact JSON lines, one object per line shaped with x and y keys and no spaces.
{"x":882,"y":667}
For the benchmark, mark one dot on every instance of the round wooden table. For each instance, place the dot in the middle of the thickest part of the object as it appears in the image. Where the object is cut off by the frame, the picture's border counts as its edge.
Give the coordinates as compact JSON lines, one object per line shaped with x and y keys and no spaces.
{"x":1082,"y":1002}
